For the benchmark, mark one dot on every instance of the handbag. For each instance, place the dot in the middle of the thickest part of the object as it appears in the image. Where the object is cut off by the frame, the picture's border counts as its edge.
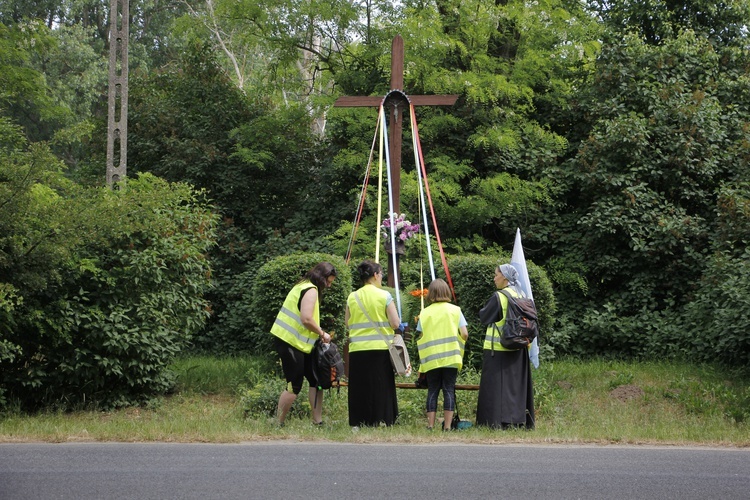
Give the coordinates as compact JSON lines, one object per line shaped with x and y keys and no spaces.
{"x":457,"y":424}
{"x":399,"y":356}
{"x":396,"y":349}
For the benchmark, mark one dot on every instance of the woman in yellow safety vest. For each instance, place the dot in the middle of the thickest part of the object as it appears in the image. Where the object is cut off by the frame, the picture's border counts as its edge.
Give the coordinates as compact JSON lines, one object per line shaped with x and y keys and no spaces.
{"x":296,"y":329}
{"x":371,"y":315}
{"x":441,"y":350}
{"x":506,"y":393}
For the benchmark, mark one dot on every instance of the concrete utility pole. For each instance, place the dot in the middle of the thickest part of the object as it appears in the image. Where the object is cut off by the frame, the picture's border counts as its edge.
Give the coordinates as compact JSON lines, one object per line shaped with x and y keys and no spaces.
{"x":117,"y":125}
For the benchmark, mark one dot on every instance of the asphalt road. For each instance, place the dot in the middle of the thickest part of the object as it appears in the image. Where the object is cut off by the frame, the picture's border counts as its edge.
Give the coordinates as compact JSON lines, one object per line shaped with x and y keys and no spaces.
{"x":289,"y":470}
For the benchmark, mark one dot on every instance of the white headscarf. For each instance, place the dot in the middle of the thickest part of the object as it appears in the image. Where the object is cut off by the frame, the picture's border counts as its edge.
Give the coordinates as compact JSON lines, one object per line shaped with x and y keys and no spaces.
{"x":510,"y":274}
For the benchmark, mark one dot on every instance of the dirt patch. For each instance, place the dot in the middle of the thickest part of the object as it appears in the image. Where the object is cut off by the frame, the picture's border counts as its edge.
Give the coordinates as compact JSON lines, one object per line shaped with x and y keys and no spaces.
{"x":564,"y":385}
{"x":625,"y":393}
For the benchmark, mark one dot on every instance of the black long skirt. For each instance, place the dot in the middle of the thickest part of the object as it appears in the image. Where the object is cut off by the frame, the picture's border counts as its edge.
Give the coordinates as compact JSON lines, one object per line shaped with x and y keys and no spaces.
{"x":372,"y":389}
{"x":506,"y":393}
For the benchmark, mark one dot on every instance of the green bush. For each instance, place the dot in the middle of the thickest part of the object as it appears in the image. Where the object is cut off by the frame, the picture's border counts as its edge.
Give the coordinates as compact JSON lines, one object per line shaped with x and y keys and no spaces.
{"x":233,"y":315}
{"x":717,"y":321}
{"x":273,"y":282}
{"x":126,"y":301}
{"x":219,"y":375}
{"x":649,"y":334}
{"x":712,"y":327}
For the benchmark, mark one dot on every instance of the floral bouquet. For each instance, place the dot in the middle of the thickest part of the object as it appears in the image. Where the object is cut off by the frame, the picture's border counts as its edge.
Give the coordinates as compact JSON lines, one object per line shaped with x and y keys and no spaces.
{"x":403,"y":228}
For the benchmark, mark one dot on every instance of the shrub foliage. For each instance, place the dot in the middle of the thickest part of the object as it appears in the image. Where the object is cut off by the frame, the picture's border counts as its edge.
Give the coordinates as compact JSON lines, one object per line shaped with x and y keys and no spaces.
{"x":107,"y":318}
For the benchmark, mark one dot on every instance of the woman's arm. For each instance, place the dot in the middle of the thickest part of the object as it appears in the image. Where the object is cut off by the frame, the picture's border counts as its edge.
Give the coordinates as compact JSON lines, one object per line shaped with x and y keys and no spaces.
{"x":464,"y":332}
{"x":491,"y":312}
{"x":306,"y":314}
{"x":393,"y":318}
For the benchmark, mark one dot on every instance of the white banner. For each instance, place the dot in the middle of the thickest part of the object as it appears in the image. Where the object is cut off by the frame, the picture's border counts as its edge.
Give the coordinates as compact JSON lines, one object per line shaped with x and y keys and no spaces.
{"x":518,"y":260}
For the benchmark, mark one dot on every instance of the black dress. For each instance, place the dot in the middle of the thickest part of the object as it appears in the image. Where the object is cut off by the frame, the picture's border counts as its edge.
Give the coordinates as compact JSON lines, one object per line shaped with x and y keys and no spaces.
{"x":372,"y":389}
{"x":506,"y":392}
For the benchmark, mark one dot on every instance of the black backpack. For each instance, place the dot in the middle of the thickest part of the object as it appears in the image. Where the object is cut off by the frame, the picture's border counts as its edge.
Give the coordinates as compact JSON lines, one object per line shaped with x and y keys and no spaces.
{"x":521,"y":326}
{"x":327,"y":364}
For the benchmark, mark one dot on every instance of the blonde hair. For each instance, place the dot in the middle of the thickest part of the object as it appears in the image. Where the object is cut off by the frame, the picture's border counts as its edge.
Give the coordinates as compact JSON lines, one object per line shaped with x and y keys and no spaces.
{"x":439,"y":291}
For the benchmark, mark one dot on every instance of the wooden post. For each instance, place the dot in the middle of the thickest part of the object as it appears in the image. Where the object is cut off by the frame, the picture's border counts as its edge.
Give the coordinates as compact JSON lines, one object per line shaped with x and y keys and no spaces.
{"x":395,"y":123}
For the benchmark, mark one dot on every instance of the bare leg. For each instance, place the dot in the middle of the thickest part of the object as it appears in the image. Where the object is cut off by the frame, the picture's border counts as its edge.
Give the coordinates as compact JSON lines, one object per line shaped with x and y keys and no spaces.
{"x":316,"y":403}
{"x":430,"y":419}
{"x":285,"y":403}
{"x":448,"y":415}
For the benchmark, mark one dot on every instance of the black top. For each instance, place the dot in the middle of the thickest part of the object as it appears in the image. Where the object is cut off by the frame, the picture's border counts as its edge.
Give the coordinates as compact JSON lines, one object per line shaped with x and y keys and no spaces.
{"x":491,"y":312}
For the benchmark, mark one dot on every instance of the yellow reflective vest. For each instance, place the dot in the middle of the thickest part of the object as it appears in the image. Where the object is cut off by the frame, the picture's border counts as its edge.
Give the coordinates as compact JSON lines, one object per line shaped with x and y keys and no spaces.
{"x":441,"y":344}
{"x":363,"y":335}
{"x":492,"y":335}
{"x":288,"y":325}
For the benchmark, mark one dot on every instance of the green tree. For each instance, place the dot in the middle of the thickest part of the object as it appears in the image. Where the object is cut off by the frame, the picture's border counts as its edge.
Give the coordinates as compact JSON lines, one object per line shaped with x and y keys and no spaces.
{"x":24,"y":94}
{"x":35,"y":224}
{"x":63,"y":46}
{"x":718,"y":310}
{"x":638,"y":214}
{"x":512,"y":64}
{"x":287,"y":51}
{"x":260,"y":165}
{"x":76,"y":73}
{"x":150,"y":22}
{"x":656,"y":21}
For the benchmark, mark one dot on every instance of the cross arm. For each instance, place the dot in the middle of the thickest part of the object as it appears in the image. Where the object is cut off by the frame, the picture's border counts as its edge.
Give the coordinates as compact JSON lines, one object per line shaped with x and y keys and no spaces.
{"x":417,"y":100}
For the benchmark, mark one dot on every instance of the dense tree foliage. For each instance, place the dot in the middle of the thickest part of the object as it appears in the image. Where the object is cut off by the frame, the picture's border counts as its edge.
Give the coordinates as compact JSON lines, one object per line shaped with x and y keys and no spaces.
{"x":261,"y":166}
{"x":658,"y":21}
{"x":645,"y":178}
{"x":614,"y":134}
{"x":639,"y":211}
{"x":24,"y":94}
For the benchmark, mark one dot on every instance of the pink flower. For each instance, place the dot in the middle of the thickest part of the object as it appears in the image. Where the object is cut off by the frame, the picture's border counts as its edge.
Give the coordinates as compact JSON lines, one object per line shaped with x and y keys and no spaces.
{"x":403,"y":228}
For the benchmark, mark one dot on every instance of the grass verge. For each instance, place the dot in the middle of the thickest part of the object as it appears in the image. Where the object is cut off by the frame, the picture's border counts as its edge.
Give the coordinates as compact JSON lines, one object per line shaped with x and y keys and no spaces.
{"x":229,"y":400}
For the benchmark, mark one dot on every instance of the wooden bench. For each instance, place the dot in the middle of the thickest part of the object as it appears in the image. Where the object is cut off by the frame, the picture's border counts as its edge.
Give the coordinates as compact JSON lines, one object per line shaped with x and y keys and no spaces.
{"x":459,"y":387}
{"x":411,"y":385}
{"x":399,"y":385}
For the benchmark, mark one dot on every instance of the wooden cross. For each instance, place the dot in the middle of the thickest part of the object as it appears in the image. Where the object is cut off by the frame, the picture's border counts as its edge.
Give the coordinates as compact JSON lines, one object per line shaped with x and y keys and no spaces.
{"x":397,"y":103}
